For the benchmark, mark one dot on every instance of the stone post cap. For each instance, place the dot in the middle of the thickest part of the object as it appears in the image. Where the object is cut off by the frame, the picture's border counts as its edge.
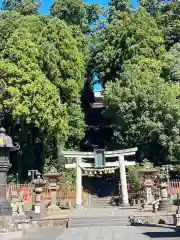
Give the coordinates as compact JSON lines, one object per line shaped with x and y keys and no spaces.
{"x":164,"y":186}
{"x":6,"y":141}
{"x":53,"y":170}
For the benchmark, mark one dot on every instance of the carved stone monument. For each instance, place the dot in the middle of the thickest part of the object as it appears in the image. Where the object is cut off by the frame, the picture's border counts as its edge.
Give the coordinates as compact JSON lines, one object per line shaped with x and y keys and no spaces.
{"x":52,"y":177}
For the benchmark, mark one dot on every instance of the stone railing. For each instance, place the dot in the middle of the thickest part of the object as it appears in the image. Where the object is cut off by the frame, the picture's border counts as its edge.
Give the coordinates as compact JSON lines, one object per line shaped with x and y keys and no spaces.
{"x":152,"y":220}
{"x":41,"y":223}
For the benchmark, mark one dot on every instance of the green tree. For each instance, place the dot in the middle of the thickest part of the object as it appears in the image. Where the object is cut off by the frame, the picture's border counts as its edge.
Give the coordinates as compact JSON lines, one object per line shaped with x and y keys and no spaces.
{"x":76,"y":12}
{"x":169,"y":20}
{"x":118,"y":6}
{"x":129,"y":39}
{"x":62,"y":61}
{"x":28,"y":92}
{"x":174,"y":67}
{"x":146,"y":114}
{"x":136,"y":181}
{"x":143,"y":108}
{"x":71,"y":11}
{"x":152,"y":6}
{"x":42,"y":72}
{"x":121,"y":5}
{"x":25,"y":7}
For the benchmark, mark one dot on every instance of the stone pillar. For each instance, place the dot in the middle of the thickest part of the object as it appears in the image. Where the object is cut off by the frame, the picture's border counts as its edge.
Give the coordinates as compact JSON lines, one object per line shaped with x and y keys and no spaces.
{"x":78,"y":182}
{"x":53,"y":189}
{"x":149,"y":196}
{"x":33,"y":196}
{"x":164,"y":191}
{"x":124,"y":189}
{"x":38,"y":192}
{"x":14,"y":201}
{"x":37,"y":207}
{"x":38,"y":183}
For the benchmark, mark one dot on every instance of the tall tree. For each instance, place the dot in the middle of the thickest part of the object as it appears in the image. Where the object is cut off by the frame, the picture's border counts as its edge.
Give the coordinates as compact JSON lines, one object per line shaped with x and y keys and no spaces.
{"x":152,"y":6}
{"x":130,"y":60}
{"x":170,"y":21}
{"x":76,"y":12}
{"x":132,"y":39}
{"x":71,"y":11}
{"x":25,"y":7}
{"x":174,"y":67}
{"x":43,"y":69}
{"x":118,"y":6}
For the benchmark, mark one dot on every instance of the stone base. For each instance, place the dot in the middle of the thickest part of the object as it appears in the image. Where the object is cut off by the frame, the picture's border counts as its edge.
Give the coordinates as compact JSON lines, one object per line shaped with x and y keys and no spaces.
{"x":5,"y":208}
{"x":125,"y":205}
{"x":78,"y":206}
{"x":53,"y":208}
{"x":6,"y":222}
{"x":11,"y":235}
{"x":164,"y":205}
{"x":177,"y":228}
{"x":178,"y":211}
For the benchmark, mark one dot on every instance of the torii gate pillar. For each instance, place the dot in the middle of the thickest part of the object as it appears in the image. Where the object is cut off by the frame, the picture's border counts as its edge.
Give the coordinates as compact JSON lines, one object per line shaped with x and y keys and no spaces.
{"x":78,"y":182}
{"x":123,"y":180}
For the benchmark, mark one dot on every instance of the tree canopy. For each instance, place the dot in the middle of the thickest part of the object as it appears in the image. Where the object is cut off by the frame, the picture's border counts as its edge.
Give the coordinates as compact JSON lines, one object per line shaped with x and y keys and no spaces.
{"x":131,"y":60}
{"x":25,"y":7}
{"x":42,"y":70}
{"x":169,"y":20}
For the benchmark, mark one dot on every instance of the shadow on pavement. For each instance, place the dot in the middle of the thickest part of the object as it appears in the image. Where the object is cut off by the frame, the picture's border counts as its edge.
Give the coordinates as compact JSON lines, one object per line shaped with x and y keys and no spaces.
{"x":162,"y":234}
{"x":154,"y":226}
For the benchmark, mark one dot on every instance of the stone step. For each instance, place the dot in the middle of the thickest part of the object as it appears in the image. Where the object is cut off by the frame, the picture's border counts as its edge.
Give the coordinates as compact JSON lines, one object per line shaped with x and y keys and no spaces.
{"x":106,"y":206}
{"x":100,"y":200}
{"x":98,"y":221}
{"x":99,"y":203}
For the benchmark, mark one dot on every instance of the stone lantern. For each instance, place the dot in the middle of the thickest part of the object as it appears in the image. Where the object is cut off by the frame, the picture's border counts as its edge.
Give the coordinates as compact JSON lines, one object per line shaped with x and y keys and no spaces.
{"x":149,"y":175}
{"x":52,"y":177}
{"x":39,"y":184}
{"x":6,"y":145}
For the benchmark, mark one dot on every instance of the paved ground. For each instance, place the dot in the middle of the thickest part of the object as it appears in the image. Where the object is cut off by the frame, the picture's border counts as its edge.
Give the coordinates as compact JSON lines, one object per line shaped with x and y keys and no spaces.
{"x":108,"y":233}
{"x":103,"y":233}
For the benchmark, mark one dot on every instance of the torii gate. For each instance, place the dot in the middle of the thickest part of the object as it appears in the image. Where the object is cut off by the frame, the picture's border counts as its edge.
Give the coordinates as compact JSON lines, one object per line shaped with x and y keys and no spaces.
{"x":121,"y":163}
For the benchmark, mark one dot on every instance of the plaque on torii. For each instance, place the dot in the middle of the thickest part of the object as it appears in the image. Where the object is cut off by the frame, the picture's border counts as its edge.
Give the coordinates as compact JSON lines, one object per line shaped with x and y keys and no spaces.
{"x":99,"y":158}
